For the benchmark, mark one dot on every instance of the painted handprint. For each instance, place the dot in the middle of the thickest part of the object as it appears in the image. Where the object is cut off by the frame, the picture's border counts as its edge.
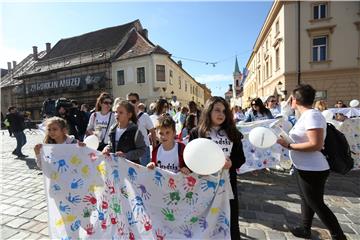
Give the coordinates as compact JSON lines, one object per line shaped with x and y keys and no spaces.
{"x":187,"y":231}
{"x":194,"y":219}
{"x":132,"y":174}
{"x":85,"y":171}
{"x":115,"y":205}
{"x":61,"y":165}
{"x":130,"y":218}
{"x":93,"y":156}
{"x":138,"y":205}
{"x":172,"y":198}
{"x":172,"y":183}
{"x":223,"y":219}
{"x":158,"y":178}
{"x":189,"y":184}
{"x":168,"y":214}
{"x":103,"y":224}
{"x":110,"y":187}
{"x":101,"y":168}
{"x":75,"y":184}
{"x":104,"y":203}
{"x":121,"y":229}
{"x":206,"y":185}
{"x":73,"y":199}
{"x":131,"y":236}
{"x":191,"y":198}
{"x":86,"y":212}
{"x":75,"y":225}
{"x":144,"y":193}
{"x":90,"y":199}
{"x":89,"y":229}
{"x":124,"y":192}
{"x":56,"y":187}
{"x":113,"y":219}
{"x":116,"y":176}
{"x":147,"y":223}
{"x":101,"y":214}
{"x":203,"y":223}
{"x":75,"y":161}
{"x":64,"y":208}
{"x":160,"y":235}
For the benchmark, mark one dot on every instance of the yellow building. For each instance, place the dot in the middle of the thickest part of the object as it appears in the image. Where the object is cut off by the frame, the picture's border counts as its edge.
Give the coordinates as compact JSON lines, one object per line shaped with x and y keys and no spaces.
{"x":317,"y":43}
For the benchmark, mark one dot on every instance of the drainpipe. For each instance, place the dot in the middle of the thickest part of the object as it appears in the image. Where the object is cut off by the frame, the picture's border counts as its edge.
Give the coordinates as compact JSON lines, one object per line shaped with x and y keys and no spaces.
{"x":299,"y":59}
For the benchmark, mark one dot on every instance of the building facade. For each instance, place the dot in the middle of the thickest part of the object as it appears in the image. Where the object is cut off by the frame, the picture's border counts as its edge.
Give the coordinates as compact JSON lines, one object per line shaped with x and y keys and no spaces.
{"x":118,"y":60}
{"x":317,"y":43}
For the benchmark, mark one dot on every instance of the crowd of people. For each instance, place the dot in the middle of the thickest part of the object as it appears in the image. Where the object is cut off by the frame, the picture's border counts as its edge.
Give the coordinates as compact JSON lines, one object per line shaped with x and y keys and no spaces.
{"x":125,"y":128}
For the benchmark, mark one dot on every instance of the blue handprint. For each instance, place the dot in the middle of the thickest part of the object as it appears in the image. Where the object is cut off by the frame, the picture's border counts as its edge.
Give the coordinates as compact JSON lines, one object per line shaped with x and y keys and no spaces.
{"x":186,"y":231}
{"x":76,"y":183}
{"x":138,"y":205}
{"x":116,"y":175}
{"x":75,"y":199}
{"x":144,"y":193}
{"x":130,"y":218}
{"x":64,"y":208}
{"x":206,"y":184}
{"x":203,"y":223}
{"x":158,"y":178}
{"x":221,"y":182}
{"x":56,"y":187}
{"x":75,"y":225}
{"x":223,"y":220}
{"x":101,"y":215}
{"x":132,"y":174}
{"x":62,"y":166}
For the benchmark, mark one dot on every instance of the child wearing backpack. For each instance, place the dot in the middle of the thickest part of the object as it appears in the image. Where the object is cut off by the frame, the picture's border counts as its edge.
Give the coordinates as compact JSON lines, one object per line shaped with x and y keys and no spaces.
{"x":169,"y":153}
{"x":126,"y":139}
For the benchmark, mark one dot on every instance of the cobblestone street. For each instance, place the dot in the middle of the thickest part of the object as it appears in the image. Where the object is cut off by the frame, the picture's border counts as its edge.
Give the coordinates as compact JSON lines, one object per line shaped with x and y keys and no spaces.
{"x":267,"y":201}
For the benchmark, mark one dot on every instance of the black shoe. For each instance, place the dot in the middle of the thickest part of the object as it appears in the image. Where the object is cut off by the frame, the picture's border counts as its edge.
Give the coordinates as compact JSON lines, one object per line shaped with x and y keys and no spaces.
{"x":14,"y":153}
{"x":301,"y":232}
{"x":22,"y":156}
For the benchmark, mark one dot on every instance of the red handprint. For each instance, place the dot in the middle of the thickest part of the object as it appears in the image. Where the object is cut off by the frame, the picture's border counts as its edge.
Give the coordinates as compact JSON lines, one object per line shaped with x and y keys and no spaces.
{"x":103,"y":224}
{"x":113,"y":219}
{"x":189,"y":183}
{"x":90,"y":199}
{"x":131,"y":236}
{"x":93,"y":156}
{"x":121,"y":230}
{"x":89,"y":229}
{"x":104,"y":203}
{"x":110,"y":186}
{"x":147,"y":223}
{"x":160,"y":235}
{"x":172,"y":184}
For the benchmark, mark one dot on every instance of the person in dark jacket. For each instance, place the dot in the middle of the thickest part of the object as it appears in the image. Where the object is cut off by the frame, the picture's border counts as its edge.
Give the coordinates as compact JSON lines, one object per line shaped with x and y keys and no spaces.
{"x":258,"y":111}
{"x":217,"y":123}
{"x":126,"y":140}
{"x":17,"y":125}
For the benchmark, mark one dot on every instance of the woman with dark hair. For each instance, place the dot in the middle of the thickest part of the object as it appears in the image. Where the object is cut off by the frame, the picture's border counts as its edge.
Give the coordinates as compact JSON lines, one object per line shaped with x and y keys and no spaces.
{"x":258,"y":111}
{"x":193,"y":109}
{"x":311,"y":166}
{"x":161,"y":107}
{"x":102,"y":119}
{"x":217,"y":124}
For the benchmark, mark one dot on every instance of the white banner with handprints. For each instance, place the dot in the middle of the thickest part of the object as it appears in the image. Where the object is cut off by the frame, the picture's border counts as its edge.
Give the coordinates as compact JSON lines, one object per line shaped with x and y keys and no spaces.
{"x":91,"y":196}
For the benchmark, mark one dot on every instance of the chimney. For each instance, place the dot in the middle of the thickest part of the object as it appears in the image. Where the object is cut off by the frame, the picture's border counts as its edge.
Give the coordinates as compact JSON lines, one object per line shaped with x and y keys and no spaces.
{"x":14,"y":64}
{"x":145,"y":33}
{"x":35,"y":53}
{"x":48,"y":47}
{"x":179,"y":63}
{"x":9,"y":66}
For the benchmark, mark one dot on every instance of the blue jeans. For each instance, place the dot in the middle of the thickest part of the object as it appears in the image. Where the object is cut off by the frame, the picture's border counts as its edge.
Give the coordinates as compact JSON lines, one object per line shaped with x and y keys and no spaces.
{"x":20,"y":142}
{"x":145,"y":159}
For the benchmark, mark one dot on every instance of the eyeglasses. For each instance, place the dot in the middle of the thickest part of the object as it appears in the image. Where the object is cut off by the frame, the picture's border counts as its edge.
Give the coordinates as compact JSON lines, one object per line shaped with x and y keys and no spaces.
{"x":107,"y":103}
{"x":273,"y":101}
{"x":133,"y":101}
{"x":253,"y":104}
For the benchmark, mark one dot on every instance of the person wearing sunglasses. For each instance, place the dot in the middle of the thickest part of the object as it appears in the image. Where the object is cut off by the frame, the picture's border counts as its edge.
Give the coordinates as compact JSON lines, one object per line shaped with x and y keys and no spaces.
{"x":273,"y":105}
{"x":144,"y":124}
{"x":102,"y":119}
{"x":258,"y":111}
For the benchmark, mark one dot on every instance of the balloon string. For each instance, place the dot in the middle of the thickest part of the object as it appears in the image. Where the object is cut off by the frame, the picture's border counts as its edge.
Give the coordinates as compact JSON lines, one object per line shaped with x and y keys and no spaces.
{"x":262,"y":139}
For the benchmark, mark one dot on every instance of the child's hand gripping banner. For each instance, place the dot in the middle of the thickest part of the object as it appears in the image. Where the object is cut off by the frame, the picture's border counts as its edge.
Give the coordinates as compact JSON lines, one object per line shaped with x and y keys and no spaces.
{"x":91,"y":196}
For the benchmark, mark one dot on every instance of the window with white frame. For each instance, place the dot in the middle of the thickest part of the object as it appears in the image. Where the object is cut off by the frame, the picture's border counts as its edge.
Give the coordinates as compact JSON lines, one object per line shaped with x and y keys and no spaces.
{"x":277,"y":58}
{"x":320,"y":11}
{"x":319,"y":48}
{"x":160,"y":73}
{"x":120,"y":77}
{"x":140,"y":73}
{"x":277,"y":27}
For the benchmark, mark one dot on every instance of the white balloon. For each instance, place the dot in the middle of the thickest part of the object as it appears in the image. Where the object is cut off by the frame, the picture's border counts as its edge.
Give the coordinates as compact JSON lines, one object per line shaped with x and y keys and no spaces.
{"x":354,"y":103}
{"x":329,"y":115}
{"x":92,"y":141}
{"x":262,"y":137}
{"x":203,"y":156}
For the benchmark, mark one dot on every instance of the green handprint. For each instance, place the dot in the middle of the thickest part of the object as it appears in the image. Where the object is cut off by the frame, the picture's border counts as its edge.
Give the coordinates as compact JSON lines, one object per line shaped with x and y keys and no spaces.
{"x":172,"y":198}
{"x":115,"y":206}
{"x":86,"y":212}
{"x":194,"y":219}
{"x":191,"y":198}
{"x":168,"y":214}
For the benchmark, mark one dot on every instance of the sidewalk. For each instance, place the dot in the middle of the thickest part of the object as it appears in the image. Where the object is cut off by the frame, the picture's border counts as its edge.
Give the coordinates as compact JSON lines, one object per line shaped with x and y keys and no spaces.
{"x":267,"y":201}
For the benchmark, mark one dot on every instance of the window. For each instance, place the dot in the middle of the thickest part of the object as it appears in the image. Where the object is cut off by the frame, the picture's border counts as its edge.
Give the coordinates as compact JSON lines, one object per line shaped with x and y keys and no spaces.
{"x":319,"y":49}
{"x":237,"y":83}
{"x":277,"y":58}
{"x":160,"y":73}
{"x":140,"y":75}
{"x":277,"y":27}
{"x":185,"y":86}
{"x":259,"y":76}
{"x":179,"y":82}
{"x":120,"y":77}
{"x":267,"y":69}
{"x":270,"y":69}
{"x":171,"y":77}
{"x":319,"y":11}
{"x":171,"y":73}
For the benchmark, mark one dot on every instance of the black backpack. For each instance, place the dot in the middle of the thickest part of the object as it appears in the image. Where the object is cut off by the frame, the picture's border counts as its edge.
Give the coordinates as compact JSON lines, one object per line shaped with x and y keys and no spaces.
{"x":337,"y":151}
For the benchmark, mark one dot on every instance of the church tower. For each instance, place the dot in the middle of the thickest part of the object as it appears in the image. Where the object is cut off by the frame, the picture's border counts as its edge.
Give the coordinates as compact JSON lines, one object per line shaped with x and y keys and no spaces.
{"x":237,"y":80}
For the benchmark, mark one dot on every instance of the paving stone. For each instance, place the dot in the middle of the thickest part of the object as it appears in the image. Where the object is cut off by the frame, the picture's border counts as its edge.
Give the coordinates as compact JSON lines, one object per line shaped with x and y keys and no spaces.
{"x":355,"y":227}
{"x":256,"y":233}
{"x":20,"y":235}
{"x":32,"y":213}
{"x":34,"y":236}
{"x":270,"y":217}
{"x":6,"y":232}
{"x":45,"y":231}
{"x":354,"y":219}
{"x":40,"y":205}
{"x":4,"y":219}
{"x":43,"y":217}
{"x":14,"y":211}
{"x":38,"y":227}
{"x":21,"y":203}
{"x":276,"y":236}
{"x":17,"y":222}
{"x":347,"y":229}
{"x":29,"y":225}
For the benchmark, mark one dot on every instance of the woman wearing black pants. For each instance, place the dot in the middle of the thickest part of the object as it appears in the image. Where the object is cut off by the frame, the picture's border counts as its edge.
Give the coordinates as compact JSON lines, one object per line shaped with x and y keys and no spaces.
{"x":311,"y":166}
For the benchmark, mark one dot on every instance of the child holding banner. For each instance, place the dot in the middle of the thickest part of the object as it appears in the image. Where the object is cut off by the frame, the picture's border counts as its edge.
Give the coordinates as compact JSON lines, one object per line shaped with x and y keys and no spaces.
{"x":217,"y":124}
{"x":169,"y":153}
{"x":126,"y":140}
{"x":56,"y":133}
